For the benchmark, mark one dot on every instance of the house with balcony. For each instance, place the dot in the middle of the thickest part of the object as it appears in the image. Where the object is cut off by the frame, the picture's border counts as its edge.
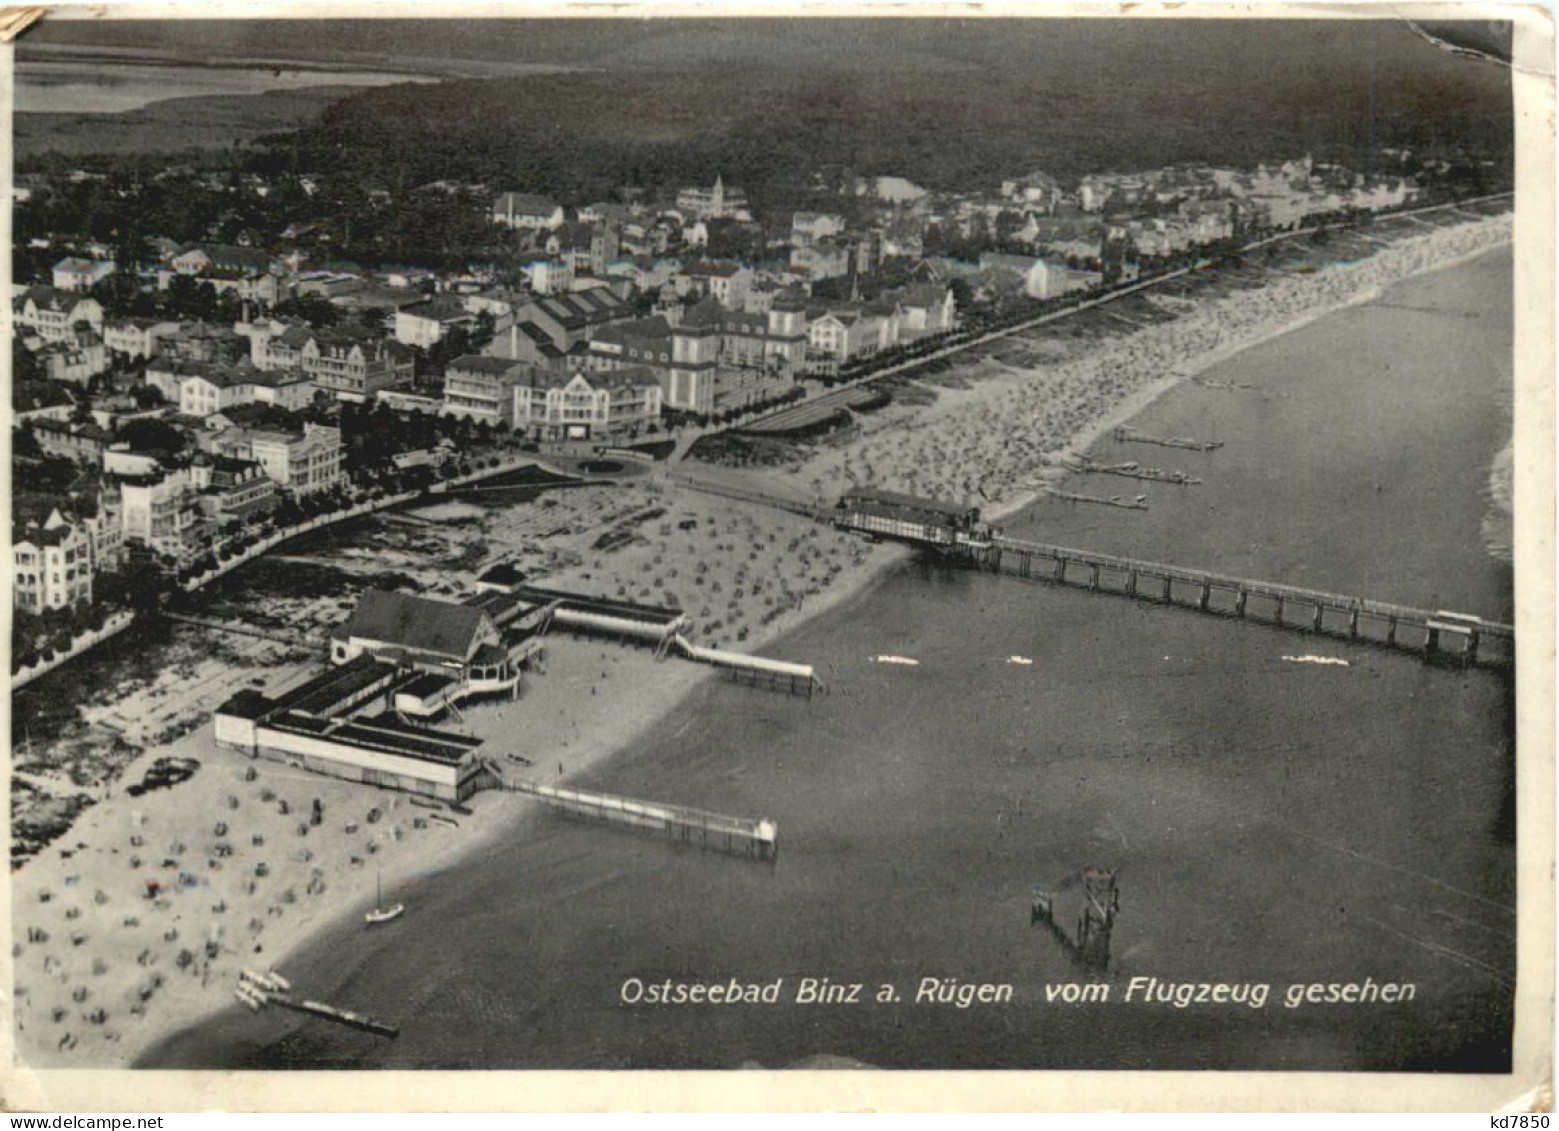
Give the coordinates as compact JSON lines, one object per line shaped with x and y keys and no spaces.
{"x":355,"y":368}
{"x":550,"y":275}
{"x":51,"y":564}
{"x":303,"y":463}
{"x":205,"y":389}
{"x":481,"y":389}
{"x":54,"y":315}
{"x":228,"y":488}
{"x":586,"y":405}
{"x":724,"y":281}
{"x":160,"y":512}
{"x":136,"y":338}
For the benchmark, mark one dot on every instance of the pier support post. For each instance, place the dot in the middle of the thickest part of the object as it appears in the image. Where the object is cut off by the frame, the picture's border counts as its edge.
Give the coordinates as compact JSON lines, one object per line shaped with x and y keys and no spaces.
{"x":1168,"y":591}
{"x":1431,"y":641}
{"x":1025,"y":564}
{"x":1315,"y":621}
{"x":1207,"y":593}
{"x":1470,"y":655}
{"x":1280,"y":611}
{"x":1131,"y":583}
{"x":1353,"y":624}
{"x":1391,"y":631}
{"x":1093,"y":578}
{"x":1239,"y":603}
{"x":1059,"y":574}
{"x":995,"y":556}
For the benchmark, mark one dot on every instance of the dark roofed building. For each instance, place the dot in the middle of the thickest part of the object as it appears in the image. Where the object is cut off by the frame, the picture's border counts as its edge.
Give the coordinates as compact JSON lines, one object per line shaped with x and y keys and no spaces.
{"x":430,"y":633}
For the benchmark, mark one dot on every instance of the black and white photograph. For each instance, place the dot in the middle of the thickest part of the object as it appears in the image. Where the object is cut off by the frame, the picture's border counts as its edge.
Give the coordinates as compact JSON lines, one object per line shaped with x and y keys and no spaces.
{"x":709,"y":541}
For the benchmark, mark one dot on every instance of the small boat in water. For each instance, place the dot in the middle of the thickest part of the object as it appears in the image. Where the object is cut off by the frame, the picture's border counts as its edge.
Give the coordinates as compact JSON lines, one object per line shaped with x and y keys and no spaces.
{"x":905,"y":660}
{"x":381,"y":913}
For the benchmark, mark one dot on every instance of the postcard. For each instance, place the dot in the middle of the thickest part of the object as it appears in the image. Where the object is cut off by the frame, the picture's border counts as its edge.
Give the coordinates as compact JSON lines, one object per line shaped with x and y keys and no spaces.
{"x":626,"y":560}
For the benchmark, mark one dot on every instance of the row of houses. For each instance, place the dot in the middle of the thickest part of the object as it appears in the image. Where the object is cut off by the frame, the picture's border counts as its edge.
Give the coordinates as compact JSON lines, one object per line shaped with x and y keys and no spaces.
{"x":550,"y":404}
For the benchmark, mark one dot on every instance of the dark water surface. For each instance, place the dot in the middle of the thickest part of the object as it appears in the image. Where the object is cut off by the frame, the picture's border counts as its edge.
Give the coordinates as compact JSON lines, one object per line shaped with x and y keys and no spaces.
{"x":1272,"y":821}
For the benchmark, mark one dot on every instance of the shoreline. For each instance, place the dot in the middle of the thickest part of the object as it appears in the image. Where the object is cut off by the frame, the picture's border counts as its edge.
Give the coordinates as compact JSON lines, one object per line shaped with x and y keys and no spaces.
{"x":608,"y":737}
{"x":1134,"y":404}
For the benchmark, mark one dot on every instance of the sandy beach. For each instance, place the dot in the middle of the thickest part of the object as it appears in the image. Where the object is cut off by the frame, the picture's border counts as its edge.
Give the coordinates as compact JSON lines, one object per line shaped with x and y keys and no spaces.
{"x":164,"y":898}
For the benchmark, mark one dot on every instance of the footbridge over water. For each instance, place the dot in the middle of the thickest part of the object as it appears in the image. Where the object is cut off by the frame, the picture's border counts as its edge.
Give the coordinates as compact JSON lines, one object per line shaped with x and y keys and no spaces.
{"x":1428,"y":632}
{"x":957,"y":534}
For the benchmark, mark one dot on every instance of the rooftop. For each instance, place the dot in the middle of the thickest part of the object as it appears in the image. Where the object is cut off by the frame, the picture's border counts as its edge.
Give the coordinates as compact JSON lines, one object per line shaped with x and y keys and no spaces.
{"x":417,"y":623}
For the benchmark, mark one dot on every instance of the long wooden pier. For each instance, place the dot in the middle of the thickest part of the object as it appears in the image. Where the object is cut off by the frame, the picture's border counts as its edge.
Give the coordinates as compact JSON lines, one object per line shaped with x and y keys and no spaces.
{"x":1288,"y":606}
{"x":1430,"y":633}
{"x":739,"y":836}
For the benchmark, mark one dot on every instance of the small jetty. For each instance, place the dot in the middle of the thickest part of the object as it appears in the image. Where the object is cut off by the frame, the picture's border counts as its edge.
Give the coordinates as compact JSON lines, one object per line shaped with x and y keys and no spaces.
{"x":1137,"y":504}
{"x":739,"y":836}
{"x":1084,"y":465}
{"x":259,"y":990}
{"x":1124,"y":435}
{"x":780,"y":675}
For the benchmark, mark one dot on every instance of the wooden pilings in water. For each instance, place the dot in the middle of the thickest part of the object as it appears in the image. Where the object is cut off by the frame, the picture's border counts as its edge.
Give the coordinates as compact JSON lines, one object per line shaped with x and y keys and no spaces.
{"x":1352,"y":619}
{"x":1095,"y":892}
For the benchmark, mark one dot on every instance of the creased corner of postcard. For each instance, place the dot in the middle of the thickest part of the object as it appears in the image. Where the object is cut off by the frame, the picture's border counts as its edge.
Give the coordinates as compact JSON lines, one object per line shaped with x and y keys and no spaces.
{"x":14,"y":21}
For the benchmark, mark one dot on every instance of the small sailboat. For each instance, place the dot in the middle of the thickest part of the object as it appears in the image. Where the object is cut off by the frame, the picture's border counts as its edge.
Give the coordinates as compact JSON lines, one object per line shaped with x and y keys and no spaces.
{"x":381,"y":913}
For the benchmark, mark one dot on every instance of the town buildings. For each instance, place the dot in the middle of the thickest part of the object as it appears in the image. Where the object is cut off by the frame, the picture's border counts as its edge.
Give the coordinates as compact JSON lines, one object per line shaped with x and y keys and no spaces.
{"x":201,"y":389}
{"x":424,"y":324}
{"x":586,"y":404}
{"x":482,"y":389}
{"x":350,"y":365}
{"x":806,"y":228}
{"x":718,"y":353}
{"x":228,"y":489}
{"x":544,"y":329}
{"x":527,"y":210}
{"x":75,"y":274}
{"x":136,"y":339}
{"x":75,"y":360}
{"x":54,"y":314}
{"x":355,"y":368}
{"x":159,"y":511}
{"x":420,"y":656}
{"x":51,"y":564}
{"x":83,"y":442}
{"x":716,"y":202}
{"x":304,"y":462}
